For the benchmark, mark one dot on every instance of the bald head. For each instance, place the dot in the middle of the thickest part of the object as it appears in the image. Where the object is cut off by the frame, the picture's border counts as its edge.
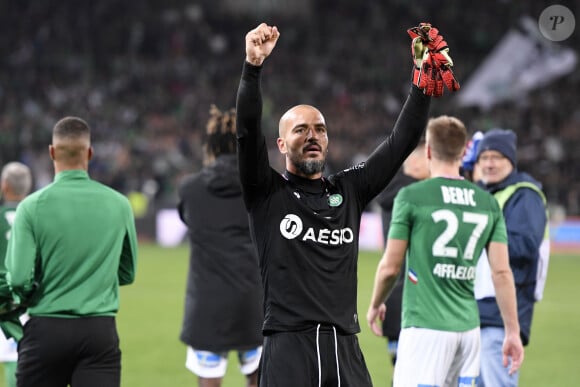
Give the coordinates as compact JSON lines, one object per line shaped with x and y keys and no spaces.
{"x":16,"y":181}
{"x":71,"y":144}
{"x":299,"y":115}
{"x":303,"y":141}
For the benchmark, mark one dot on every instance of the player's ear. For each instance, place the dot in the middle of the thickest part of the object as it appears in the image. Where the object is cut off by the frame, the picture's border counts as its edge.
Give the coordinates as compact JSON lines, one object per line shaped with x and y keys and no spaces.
{"x":90,"y":153}
{"x":281,"y":145}
{"x":51,"y":151}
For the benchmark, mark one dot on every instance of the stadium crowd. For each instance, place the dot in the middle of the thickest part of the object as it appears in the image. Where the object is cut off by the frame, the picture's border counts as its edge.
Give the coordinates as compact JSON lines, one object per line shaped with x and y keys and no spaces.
{"x":144,"y":74}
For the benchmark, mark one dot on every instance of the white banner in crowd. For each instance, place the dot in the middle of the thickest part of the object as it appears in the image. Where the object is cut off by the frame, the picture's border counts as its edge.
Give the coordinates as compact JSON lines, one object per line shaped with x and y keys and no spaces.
{"x":169,"y":229}
{"x":522,"y":61}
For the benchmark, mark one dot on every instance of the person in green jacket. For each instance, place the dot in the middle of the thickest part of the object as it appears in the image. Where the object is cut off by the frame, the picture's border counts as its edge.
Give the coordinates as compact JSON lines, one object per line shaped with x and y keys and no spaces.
{"x":73,"y":243}
{"x":15,"y":184}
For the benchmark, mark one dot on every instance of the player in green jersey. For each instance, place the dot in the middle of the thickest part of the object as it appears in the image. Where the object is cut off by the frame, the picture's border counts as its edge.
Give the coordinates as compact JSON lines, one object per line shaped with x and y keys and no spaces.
{"x":15,"y":184}
{"x":440,"y":226}
{"x":73,"y":243}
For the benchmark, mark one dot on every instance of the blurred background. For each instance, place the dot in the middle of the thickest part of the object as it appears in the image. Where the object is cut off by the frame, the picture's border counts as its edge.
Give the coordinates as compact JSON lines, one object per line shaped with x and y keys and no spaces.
{"x":143,"y":74}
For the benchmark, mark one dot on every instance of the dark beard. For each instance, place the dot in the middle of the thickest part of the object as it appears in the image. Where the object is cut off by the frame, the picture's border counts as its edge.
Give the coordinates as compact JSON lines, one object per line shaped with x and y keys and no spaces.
{"x":310,"y":167}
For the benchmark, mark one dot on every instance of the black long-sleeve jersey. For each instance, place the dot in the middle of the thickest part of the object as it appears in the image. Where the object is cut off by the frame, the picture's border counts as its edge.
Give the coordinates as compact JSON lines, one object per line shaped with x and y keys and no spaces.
{"x":307,"y":231}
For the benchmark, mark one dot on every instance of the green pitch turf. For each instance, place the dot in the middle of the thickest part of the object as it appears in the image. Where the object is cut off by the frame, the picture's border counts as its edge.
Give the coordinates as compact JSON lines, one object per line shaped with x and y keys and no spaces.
{"x":151,"y":310}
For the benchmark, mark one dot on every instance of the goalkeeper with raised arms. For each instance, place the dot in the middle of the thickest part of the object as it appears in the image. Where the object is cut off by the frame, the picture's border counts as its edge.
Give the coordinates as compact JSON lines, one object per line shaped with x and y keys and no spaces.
{"x":306,"y":226}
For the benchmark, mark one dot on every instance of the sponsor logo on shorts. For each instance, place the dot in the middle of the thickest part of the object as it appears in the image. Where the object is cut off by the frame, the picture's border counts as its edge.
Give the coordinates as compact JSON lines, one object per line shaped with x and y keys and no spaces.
{"x":468,"y":381}
{"x":208,"y":359}
{"x":248,"y":356}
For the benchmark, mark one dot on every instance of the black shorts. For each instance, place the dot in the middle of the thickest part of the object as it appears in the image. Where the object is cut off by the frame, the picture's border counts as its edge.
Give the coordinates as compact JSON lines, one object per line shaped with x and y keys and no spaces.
{"x":56,"y":352}
{"x":302,"y":359}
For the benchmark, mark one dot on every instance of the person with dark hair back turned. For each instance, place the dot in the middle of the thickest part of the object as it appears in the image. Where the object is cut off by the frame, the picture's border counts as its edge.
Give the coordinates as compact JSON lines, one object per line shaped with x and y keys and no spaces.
{"x":73,"y":243}
{"x":441,"y":226}
{"x":306,"y":226}
{"x":223,"y":300}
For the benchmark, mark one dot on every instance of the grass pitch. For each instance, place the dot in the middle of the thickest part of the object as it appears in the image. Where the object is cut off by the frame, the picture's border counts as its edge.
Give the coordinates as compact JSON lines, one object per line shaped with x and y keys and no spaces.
{"x":151,"y":311}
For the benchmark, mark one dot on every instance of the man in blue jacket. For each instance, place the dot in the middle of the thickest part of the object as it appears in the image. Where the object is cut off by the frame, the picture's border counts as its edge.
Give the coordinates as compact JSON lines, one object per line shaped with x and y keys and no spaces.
{"x":524,"y":209}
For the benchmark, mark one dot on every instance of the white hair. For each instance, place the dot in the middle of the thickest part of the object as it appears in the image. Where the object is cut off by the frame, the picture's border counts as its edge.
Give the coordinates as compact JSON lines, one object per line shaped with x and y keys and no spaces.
{"x":18,"y":177}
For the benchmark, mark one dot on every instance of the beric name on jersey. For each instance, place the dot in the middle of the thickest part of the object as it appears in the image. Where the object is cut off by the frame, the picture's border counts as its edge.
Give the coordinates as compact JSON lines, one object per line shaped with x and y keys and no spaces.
{"x":456,"y":195}
{"x":292,"y":227}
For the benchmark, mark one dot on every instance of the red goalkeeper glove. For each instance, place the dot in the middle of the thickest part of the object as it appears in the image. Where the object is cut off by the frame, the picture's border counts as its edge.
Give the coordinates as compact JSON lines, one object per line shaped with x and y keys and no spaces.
{"x":432,"y":61}
{"x":424,"y":73}
{"x":439,"y":51}
{"x":427,"y":77}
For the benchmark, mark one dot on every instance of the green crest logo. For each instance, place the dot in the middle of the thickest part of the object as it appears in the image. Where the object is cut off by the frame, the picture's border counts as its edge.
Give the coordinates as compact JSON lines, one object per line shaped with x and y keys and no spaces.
{"x":335,"y":200}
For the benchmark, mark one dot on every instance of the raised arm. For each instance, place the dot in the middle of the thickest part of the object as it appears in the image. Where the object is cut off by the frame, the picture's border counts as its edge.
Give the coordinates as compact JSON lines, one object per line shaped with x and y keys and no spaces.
{"x":388,"y":157}
{"x":260,"y":42}
{"x":431,"y":71}
{"x":252,"y":151}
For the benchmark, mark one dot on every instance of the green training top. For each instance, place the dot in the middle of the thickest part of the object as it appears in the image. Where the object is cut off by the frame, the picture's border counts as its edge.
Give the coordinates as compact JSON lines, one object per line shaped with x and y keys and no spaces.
{"x":447,"y":223}
{"x":72,"y":244}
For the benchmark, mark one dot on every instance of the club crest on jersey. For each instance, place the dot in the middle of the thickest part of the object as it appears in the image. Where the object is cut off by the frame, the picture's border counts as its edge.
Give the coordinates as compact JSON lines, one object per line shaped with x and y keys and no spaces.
{"x":335,"y":200}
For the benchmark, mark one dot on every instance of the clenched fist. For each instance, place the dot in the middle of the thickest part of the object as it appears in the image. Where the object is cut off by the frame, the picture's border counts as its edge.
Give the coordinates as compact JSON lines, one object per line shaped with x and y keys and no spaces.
{"x":260,"y":42}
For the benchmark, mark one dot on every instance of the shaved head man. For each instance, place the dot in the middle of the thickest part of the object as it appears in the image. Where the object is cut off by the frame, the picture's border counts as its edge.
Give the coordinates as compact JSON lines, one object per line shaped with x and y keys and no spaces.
{"x":303,"y":141}
{"x":306,"y":228}
{"x":71,"y":144}
{"x":82,"y":236}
